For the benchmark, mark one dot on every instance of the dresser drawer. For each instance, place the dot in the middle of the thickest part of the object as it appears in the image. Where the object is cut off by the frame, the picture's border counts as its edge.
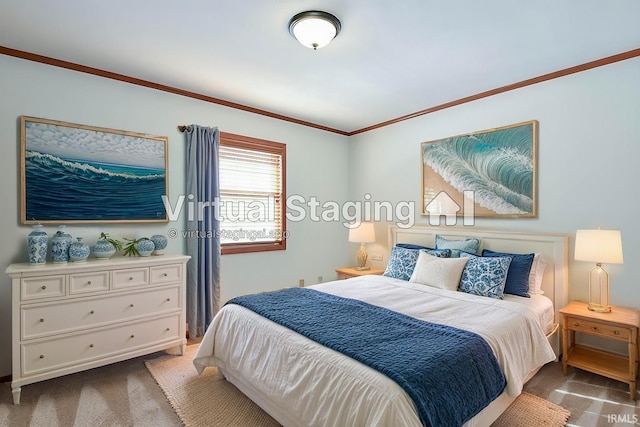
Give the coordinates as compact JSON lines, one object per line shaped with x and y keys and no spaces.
{"x":41,"y":320}
{"x":595,"y":328}
{"x":48,"y":355}
{"x":80,"y":283}
{"x":130,"y":278}
{"x":166,"y":274}
{"x":42,"y":287}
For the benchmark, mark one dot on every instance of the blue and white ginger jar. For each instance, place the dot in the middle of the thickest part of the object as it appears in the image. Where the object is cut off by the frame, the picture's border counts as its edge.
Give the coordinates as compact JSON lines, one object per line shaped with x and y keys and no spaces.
{"x":160,"y":243}
{"x":103,"y":249}
{"x":79,"y":251}
{"x":60,"y":246}
{"x":37,"y":242}
{"x":145,"y":247}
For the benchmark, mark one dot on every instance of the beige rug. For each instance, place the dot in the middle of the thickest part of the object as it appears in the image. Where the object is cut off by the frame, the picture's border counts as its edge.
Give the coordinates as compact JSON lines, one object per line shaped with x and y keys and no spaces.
{"x":529,"y":410}
{"x":206,"y":400}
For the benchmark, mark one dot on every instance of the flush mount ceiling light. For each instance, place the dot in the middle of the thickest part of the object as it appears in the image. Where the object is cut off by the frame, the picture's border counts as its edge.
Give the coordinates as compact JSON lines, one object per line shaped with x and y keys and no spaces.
{"x":314,"y":28}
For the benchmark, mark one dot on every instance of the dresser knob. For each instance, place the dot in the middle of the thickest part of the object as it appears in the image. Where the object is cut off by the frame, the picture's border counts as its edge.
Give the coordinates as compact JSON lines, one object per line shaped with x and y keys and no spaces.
{"x":90,"y":345}
{"x":132,"y":336}
{"x":41,"y":320}
{"x":594,"y":328}
{"x":42,"y":356}
{"x":168,"y":299}
{"x":616,"y":332}
{"x":43,"y":287}
{"x":92,"y":312}
{"x":131,"y":305}
{"x":168,"y":329}
{"x":89,"y":283}
{"x":164,"y":274}
{"x":576,"y":324}
{"x":130,"y":278}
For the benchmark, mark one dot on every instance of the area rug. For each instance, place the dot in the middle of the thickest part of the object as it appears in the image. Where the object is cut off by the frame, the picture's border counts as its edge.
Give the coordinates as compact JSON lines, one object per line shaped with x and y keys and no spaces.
{"x":206,"y":400}
{"x":529,"y":410}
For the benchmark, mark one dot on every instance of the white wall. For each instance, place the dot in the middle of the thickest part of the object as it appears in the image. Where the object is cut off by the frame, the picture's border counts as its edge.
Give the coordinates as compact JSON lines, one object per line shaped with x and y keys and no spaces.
{"x":588,"y":163}
{"x":316,"y":165}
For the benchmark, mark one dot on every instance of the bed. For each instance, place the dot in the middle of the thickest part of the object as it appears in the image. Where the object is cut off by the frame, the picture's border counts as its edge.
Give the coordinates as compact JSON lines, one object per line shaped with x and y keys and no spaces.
{"x":302,"y":383}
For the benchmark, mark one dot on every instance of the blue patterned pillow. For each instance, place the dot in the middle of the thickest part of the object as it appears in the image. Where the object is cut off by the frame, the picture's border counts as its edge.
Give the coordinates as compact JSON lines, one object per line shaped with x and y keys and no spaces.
{"x":402,"y":261}
{"x":440,"y":253}
{"x":456,"y":246}
{"x":484,"y":276}
{"x":519,"y":270}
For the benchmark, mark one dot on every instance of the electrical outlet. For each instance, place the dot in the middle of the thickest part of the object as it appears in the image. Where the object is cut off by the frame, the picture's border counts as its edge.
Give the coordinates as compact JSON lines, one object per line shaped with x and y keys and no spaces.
{"x":301,"y":283}
{"x":319,"y":279}
{"x":376,"y":257}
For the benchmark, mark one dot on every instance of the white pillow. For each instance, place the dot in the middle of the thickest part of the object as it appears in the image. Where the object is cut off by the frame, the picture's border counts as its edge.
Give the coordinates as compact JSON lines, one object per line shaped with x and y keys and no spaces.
{"x":536,"y":274}
{"x":442,"y":273}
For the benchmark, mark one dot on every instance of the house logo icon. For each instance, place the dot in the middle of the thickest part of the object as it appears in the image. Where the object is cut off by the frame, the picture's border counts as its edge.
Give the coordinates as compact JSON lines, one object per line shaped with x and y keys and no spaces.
{"x":444,"y":205}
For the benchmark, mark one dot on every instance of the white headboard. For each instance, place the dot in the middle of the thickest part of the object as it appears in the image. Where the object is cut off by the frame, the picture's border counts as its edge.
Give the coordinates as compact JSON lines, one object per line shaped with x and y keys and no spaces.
{"x":554,"y":247}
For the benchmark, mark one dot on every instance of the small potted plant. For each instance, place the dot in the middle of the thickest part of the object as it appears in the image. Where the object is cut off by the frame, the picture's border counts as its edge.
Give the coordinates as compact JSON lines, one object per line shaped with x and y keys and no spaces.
{"x":139,"y":247}
{"x":106,"y":247}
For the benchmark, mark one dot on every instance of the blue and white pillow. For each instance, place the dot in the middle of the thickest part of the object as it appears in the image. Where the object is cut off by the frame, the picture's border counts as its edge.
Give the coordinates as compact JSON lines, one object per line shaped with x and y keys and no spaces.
{"x":402,"y":261}
{"x":484,"y":276}
{"x":456,"y":246}
{"x":519,"y":271}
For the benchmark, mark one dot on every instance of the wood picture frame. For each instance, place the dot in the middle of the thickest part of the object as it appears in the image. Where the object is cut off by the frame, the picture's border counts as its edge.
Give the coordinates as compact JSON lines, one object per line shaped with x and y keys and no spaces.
{"x":72,"y":173}
{"x":489,"y":173}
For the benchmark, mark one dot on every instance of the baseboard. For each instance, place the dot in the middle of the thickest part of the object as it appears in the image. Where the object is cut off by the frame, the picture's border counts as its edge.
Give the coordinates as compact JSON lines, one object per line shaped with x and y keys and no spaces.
{"x":6,"y":379}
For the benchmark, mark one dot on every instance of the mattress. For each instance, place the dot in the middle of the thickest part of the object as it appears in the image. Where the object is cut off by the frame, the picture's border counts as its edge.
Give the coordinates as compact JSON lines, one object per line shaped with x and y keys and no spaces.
{"x":304,"y":384}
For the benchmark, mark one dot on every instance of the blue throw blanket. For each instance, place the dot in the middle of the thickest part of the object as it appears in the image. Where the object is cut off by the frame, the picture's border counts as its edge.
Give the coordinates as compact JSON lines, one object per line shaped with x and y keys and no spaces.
{"x":450,"y":374}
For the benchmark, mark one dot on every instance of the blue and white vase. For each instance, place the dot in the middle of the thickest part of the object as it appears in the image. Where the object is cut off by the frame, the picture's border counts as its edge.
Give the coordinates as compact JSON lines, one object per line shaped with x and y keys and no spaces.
{"x":79,"y":251}
{"x":103,"y":249}
{"x":60,"y":246}
{"x":37,"y":242}
{"x":160,"y":243}
{"x":145,"y":247}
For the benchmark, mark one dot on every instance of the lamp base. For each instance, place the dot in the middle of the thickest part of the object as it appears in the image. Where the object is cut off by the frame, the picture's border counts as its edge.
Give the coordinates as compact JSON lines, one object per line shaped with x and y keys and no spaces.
{"x":599,"y":308}
{"x":361,"y":258}
{"x":599,"y":290}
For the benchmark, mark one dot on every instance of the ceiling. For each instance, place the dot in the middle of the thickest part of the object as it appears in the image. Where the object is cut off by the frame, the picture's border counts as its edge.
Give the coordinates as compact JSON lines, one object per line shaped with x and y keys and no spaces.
{"x":391,"y":58}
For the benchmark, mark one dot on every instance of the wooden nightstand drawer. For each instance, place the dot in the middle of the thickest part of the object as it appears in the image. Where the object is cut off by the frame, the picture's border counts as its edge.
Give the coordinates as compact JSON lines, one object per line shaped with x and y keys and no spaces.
{"x":596,"y":328}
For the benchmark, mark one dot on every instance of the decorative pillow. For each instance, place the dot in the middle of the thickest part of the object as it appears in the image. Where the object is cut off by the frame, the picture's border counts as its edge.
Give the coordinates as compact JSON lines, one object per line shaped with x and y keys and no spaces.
{"x":519,"y":270}
{"x":402,"y":262}
{"x":484,"y":276}
{"x":442,"y":273}
{"x":537,"y":273}
{"x":441,"y":253}
{"x":456,"y":246}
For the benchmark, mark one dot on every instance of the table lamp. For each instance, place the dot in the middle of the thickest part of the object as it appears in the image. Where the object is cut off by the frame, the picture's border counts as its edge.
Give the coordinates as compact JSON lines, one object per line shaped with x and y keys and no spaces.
{"x":599,"y":246}
{"x":363,"y":233}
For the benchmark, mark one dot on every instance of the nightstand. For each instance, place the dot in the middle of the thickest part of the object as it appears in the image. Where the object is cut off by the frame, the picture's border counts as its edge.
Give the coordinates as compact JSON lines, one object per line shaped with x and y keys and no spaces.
{"x":620,"y":324}
{"x":349,"y":272}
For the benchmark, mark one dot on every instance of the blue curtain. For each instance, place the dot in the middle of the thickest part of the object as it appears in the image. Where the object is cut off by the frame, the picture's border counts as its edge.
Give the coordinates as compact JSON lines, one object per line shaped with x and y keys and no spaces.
{"x":203,"y":243}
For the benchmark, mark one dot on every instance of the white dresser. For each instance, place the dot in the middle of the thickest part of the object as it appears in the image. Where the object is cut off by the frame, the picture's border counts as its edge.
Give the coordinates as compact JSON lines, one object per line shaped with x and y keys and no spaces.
{"x":72,"y":317}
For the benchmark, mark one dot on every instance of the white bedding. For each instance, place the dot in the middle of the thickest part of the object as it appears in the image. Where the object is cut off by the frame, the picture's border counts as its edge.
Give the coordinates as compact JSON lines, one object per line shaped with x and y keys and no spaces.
{"x":542,"y":307}
{"x":317,"y":386}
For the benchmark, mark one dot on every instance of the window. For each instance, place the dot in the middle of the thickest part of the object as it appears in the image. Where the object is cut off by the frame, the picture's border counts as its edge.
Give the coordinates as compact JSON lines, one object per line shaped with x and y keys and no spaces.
{"x":252,"y":194}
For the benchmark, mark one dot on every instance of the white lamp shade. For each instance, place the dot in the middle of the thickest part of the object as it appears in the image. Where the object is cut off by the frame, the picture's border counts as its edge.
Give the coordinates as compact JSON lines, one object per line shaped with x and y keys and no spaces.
{"x":364,"y":233}
{"x":601,"y":246}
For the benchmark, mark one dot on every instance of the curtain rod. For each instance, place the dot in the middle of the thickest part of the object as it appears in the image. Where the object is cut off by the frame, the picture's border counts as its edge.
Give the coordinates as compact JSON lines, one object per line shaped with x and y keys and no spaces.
{"x":183,"y":128}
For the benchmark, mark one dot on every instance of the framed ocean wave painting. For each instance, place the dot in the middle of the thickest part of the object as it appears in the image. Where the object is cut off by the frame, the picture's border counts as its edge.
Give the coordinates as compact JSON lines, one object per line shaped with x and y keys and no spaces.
{"x":73,"y":173}
{"x":489,"y":173}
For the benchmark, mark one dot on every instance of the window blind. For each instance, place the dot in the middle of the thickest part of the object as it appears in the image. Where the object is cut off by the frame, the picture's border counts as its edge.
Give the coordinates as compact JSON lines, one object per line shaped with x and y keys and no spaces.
{"x":251,"y":195}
